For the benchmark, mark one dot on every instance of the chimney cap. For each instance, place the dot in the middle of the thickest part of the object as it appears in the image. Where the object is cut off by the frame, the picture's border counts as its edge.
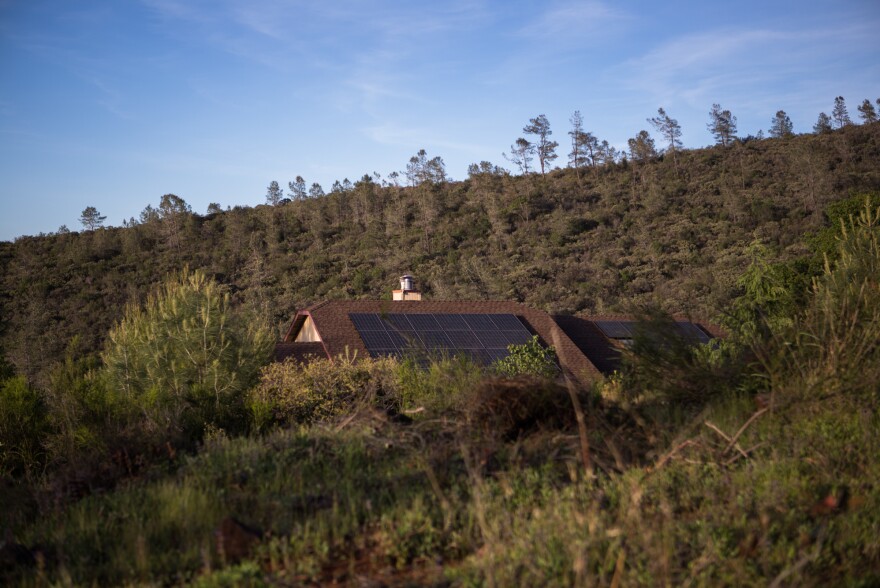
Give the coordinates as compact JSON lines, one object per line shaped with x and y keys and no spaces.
{"x":407,"y":290}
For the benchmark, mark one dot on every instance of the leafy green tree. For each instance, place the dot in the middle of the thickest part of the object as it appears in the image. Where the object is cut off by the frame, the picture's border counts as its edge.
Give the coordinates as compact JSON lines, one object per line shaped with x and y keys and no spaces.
{"x":545,"y":149}
{"x":91,"y":219}
{"x":823,"y":124}
{"x":297,"y":189}
{"x":274,"y":194}
{"x":722,"y":125}
{"x":867,"y":112}
{"x":530,"y":358}
{"x":214,"y":208}
{"x":780,"y":126}
{"x":669,"y":129}
{"x":641,"y":147}
{"x":840,"y":115}
{"x":316,"y":191}
{"x":185,"y":359}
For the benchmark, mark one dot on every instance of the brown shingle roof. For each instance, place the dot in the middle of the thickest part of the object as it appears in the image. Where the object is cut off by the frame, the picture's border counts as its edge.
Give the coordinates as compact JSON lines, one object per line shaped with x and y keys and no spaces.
{"x":339,"y":335}
{"x":299,"y":351}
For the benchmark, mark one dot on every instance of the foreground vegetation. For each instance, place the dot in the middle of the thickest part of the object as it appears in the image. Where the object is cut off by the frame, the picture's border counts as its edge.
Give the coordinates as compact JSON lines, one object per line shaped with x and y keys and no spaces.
{"x":751,"y":462}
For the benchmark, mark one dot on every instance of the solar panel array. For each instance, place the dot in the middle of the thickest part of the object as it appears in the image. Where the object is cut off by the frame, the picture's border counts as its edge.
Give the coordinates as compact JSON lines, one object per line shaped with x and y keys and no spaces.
{"x":482,"y":337}
{"x":627,"y":330}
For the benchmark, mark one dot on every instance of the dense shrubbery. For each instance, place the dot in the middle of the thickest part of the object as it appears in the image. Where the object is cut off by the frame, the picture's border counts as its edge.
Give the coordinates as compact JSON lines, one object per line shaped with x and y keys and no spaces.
{"x":290,"y":393}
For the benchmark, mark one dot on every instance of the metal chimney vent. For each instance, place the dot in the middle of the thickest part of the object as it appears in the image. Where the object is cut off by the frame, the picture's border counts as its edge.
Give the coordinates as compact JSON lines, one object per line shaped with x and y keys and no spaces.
{"x":407,"y":289}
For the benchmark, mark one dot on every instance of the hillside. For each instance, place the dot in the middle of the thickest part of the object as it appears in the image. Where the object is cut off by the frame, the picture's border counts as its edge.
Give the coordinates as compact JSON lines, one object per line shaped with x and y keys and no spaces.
{"x":621,"y":235}
{"x":182,"y":455}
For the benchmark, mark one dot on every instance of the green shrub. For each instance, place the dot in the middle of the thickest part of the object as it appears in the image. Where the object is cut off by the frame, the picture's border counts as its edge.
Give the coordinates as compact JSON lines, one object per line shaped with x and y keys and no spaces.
{"x":441,"y":384}
{"x":528,"y":359}
{"x":664,"y":366}
{"x":23,"y":426}
{"x":185,"y":359}
{"x":291,"y":392}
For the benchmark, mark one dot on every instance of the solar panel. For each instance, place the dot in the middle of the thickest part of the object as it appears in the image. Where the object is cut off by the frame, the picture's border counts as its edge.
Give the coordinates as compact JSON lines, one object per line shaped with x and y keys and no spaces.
{"x":627,"y":330}
{"x":377,"y":340}
{"x":616,"y":329}
{"x":464,"y":340}
{"x":479,"y":322}
{"x":451,"y":322}
{"x":492,"y":339}
{"x":520,"y":337}
{"x":398,"y":321}
{"x":483,"y":337}
{"x":506,"y":322}
{"x":423,"y":322}
{"x":435,"y":340}
{"x":692,"y":332}
{"x":367,"y":322}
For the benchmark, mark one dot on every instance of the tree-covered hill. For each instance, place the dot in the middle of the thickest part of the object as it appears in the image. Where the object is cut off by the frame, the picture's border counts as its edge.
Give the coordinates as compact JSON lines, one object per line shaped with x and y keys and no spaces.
{"x":670,"y":232}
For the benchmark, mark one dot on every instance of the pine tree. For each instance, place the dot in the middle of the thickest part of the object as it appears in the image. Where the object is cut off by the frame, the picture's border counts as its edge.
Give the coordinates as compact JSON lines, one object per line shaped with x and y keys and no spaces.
{"x":669,"y":129}
{"x":316,"y":191}
{"x":579,"y":154}
{"x":91,"y":219}
{"x":781,"y":126}
{"x":641,"y":147}
{"x":545,"y":149}
{"x":274,"y":194}
{"x":722,"y":124}
{"x":867,"y":112}
{"x":840,"y":116}
{"x":297,"y":189}
{"x":521,"y":154}
{"x":823,"y":124}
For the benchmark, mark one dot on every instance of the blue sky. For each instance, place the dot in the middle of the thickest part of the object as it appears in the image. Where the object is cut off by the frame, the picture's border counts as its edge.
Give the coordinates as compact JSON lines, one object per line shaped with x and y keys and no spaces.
{"x":114,"y":103}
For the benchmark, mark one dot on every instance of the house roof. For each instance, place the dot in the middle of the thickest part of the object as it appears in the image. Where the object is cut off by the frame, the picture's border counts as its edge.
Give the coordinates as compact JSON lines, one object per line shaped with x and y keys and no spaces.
{"x":581,"y":346}
{"x":339,"y":335}
{"x":605,"y":352}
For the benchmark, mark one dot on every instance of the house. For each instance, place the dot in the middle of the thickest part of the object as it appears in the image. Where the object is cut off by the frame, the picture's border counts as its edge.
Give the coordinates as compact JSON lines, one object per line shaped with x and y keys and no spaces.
{"x":407,"y":325}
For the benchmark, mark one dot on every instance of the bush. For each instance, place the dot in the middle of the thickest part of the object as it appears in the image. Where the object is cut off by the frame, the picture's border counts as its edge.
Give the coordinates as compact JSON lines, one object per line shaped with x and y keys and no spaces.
{"x":23,"y":426}
{"x":529,"y":359}
{"x":664,"y":366}
{"x":291,"y":392}
{"x":185,"y":359}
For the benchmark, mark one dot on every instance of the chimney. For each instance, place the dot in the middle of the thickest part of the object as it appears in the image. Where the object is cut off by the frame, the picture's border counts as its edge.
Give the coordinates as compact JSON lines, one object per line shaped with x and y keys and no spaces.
{"x":407,"y":289}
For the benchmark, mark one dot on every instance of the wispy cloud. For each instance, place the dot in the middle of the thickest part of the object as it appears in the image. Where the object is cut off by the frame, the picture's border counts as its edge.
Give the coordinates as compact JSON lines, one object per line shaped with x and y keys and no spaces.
{"x":701,"y":67}
{"x":571,"y":20}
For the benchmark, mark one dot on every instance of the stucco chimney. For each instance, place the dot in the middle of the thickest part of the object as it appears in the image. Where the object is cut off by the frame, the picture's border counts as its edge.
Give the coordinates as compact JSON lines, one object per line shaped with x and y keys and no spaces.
{"x":407,"y":289}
